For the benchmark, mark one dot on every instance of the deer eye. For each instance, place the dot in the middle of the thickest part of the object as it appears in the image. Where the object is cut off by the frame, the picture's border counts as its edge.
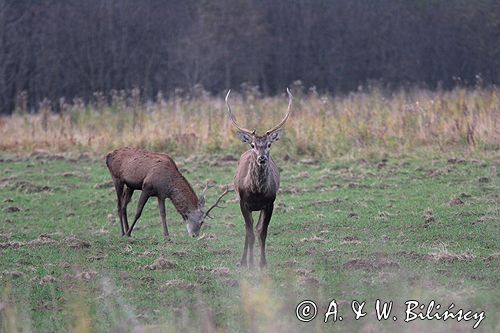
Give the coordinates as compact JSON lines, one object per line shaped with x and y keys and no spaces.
{"x":269,"y":145}
{"x":252,"y":145}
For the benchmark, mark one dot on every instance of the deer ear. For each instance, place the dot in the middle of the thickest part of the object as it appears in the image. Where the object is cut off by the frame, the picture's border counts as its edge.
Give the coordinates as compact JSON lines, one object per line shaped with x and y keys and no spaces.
{"x":275,"y":136}
{"x":245,"y":137}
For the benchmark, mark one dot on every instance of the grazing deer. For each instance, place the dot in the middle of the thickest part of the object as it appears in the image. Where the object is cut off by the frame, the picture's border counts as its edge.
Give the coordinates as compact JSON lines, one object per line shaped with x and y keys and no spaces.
{"x":257,"y":181}
{"x":155,"y":175}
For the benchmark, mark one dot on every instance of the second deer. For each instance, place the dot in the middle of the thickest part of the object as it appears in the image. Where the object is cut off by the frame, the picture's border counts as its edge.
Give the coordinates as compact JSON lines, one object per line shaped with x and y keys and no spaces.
{"x":155,"y":175}
{"x":257,"y":181}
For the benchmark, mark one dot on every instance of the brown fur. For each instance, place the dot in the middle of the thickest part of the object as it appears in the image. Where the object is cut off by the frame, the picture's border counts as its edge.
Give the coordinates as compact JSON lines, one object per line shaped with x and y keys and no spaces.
{"x":154,"y":174}
{"x":257,"y":186}
{"x":257,"y":181}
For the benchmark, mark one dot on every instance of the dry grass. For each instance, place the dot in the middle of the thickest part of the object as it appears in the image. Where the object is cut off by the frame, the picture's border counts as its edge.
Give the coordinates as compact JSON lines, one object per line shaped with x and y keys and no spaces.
{"x":320,"y":126}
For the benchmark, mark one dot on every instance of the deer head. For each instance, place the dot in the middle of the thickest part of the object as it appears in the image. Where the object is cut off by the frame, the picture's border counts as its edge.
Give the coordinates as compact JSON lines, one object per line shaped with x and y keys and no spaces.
{"x":260,"y":144}
{"x":195,"y":219}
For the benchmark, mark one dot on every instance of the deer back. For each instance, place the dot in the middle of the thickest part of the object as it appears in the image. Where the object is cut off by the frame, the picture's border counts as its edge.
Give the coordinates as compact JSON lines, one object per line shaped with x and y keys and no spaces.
{"x":138,"y":168}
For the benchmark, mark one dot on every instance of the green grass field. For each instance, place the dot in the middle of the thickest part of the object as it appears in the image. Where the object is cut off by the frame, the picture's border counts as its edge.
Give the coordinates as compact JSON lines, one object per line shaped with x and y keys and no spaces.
{"x":353,"y":229}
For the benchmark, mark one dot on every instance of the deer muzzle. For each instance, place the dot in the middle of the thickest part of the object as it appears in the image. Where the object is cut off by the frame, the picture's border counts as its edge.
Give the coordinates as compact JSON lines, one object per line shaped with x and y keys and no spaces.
{"x":262,"y":159}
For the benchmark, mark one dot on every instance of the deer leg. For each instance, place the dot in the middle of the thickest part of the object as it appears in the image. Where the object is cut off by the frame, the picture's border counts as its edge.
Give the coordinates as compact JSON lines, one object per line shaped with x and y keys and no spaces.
{"x":142,"y":201}
{"x":127,"y":196}
{"x":119,"y":193}
{"x":264,"y":219}
{"x":163,"y":216}
{"x":249,"y":236}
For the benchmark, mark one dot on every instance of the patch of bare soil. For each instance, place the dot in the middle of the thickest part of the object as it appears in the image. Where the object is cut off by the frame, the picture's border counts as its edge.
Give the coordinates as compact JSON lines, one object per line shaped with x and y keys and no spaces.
{"x":308,"y":161}
{"x":353,"y":215}
{"x":411,"y":255}
{"x":301,"y":175}
{"x":437,"y":172}
{"x":444,"y":256}
{"x":202,"y":269}
{"x":325,"y":202}
{"x":160,"y":264}
{"x":456,"y":202}
{"x":351,"y":240}
{"x":85,"y":276}
{"x":28,"y":187}
{"x":12,"y":209}
{"x":11,"y":245}
{"x":493,"y":257}
{"x":76,"y":243}
{"x":177,"y":284}
{"x":378,"y":263}
{"x":208,"y":236}
{"x":75,"y":174}
{"x":14,"y":274}
{"x":483,"y":180}
{"x":221,"y":271}
{"x":104,"y":185}
{"x":314,"y":239}
{"x":291,"y":190}
{"x":303,"y":271}
{"x":232,"y":283}
{"x":46,"y":280}
{"x":41,"y":240}
{"x":6,"y":181}
{"x":308,"y":281}
{"x":111,"y":218}
{"x":180,"y":254}
{"x":428,"y":216}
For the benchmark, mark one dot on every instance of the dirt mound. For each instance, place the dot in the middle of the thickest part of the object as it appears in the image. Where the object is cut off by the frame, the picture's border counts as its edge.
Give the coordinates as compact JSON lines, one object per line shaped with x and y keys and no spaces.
{"x":456,"y":202}
{"x":12,"y":209}
{"x":85,"y":276}
{"x":314,"y":239}
{"x":444,"y":256}
{"x":76,"y":243}
{"x":160,"y":264}
{"x":366,"y":264}
{"x":178,"y":284}
{"x":11,"y":245}
{"x":14,"y":274}
{"x":103,"y":185}
{"x":493,"y":257}
{"x":41,"y":240}
{"x":46,"y":280}
{"x":6,"y":181}
{"x":308,"y":281}
{"x":351,"y":240}
{"x":208,"y":236}
{"x":28,"y":187}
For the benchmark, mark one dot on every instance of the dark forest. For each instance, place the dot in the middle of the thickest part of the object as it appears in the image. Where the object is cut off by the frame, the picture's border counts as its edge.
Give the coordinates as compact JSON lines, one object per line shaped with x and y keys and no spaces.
{"x":74,"y":48}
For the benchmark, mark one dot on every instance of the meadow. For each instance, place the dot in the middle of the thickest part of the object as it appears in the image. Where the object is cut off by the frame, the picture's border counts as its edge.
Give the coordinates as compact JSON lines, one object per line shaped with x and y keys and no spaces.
{"x":390,"y":197}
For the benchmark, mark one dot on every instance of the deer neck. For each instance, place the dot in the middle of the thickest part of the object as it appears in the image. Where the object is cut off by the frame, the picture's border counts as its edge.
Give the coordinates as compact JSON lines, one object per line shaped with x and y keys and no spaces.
{"x":184,"y":199}
{"x":259,"y":176}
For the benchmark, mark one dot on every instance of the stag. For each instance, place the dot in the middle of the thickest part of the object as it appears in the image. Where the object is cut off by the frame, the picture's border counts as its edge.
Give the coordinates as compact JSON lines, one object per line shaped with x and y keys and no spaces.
{"x":257,"y":181}
{"x":155,"y":175}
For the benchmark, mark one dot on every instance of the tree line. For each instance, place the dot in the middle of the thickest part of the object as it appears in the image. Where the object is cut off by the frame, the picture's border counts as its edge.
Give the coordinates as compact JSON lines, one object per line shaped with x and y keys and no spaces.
{"x":69,"y":48}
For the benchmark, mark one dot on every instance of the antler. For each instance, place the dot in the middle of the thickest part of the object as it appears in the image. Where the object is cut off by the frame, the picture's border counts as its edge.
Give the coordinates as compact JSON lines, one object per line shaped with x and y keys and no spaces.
{"x":233,"y":119}
{"x":217,"y":202}
{"x":275,"y":128}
